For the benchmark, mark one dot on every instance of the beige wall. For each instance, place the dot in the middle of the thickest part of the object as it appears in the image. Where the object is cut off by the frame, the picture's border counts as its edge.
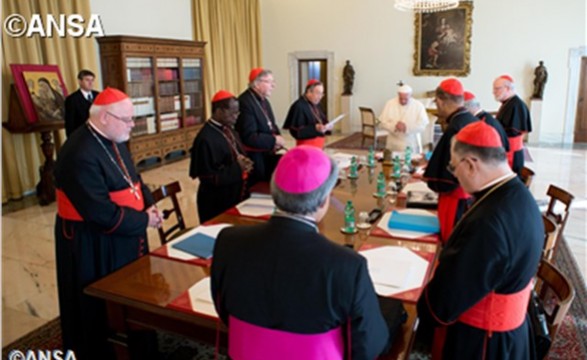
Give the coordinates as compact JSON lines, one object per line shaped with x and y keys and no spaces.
{"x":507,"y":37}
{"x":161,"y":19}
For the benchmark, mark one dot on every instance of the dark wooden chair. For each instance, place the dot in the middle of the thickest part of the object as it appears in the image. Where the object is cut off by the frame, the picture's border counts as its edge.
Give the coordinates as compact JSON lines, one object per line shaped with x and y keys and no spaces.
{"x":527,"y":175}
{"x":550,"y":237}
{"x":560,"y":219}
{"x":369,"y":126}
{"x":169,"y":191}
{"x":556,"y":292}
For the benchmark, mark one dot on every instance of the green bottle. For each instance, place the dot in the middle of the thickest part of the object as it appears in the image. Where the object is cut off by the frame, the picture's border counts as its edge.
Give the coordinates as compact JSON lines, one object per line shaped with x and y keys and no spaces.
{"x":396,"y":167}
{"x":371,"y":157}
{"x":381,"y":185}
{"x":349,"y":217}
{"x":354,"y":167}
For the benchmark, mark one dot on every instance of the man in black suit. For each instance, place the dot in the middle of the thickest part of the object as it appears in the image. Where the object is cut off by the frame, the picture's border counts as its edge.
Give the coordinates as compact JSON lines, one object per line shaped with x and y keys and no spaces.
{"x":77,"y":104}
{"x":256,"y":125}
{"x":284,"y":275}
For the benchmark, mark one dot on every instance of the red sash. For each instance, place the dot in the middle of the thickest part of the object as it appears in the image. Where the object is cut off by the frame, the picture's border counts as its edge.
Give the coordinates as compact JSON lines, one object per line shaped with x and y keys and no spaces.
{"x":447,"y":211}
{"x":495,"y":312}
{"x":123,"y":197}
{"x":499,"y":312}
{"x":318,"y":142}
{"x":516,"y":144}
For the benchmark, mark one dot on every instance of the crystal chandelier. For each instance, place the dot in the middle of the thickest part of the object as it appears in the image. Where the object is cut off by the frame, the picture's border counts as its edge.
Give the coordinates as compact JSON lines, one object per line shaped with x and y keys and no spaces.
{"x":425,"y":6}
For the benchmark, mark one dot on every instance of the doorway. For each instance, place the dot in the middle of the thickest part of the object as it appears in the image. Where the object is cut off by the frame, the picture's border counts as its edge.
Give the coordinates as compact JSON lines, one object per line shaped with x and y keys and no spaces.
{"x":580,"y":134}
{"x":314,"y":69}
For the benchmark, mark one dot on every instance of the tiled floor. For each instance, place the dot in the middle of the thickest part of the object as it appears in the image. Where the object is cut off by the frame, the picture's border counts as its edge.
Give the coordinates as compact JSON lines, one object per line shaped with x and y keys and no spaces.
{"x":29,"y":297}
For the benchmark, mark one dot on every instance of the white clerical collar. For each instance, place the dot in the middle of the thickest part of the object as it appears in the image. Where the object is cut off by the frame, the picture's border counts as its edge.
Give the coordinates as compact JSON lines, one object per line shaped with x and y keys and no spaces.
{"x":478,"y":112}
{"x":97,"y":130}
{"x":495,"y":181}
{"x":216,"y":123}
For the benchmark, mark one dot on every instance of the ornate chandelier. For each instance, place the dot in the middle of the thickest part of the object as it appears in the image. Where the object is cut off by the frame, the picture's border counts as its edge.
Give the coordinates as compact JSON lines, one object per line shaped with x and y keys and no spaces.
{"x":425,"y":6}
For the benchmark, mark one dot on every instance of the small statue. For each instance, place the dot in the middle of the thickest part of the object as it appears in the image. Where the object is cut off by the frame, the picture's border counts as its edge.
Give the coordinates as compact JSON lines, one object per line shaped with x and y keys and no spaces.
{"x":348,"y":75}
{"x":540,"y":78}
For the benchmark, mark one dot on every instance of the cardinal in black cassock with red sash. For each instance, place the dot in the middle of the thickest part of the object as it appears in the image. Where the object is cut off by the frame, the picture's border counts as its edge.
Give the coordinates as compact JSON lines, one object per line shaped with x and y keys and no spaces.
{"x":478,"y":297}
{"x":256,"y":125}
{"x":514,"y":116}
{"x":305,"y":119}
{"x":452,"y":200}
{"x":103,"y":210}
{"x":219,"y":161}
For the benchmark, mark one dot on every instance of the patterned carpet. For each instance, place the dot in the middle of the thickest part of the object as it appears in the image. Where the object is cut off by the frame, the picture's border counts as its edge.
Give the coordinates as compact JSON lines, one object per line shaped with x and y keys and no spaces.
{"x":570,"y":343}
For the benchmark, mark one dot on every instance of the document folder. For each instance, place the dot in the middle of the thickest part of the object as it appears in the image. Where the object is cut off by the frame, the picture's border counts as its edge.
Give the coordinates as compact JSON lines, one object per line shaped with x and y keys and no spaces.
{"x":200,"y":245}
{"x":421,"y":223}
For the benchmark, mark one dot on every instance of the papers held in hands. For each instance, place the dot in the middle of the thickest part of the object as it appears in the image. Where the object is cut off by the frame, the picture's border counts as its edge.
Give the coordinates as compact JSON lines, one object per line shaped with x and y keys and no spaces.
{"x":333,"y":122}
{"x":412,"y":222}
{"x":200,"y":245}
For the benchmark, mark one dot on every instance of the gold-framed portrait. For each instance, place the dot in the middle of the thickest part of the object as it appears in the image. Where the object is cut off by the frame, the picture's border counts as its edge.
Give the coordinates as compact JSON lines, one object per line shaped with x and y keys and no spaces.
{"x":443,"y":42}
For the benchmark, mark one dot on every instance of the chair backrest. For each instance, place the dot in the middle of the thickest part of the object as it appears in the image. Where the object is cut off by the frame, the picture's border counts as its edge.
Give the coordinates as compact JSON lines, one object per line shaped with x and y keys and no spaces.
{"x":248,"y":341}
{"x":556,"y":293}
{"x":368,"y":122}
{"x":169,"y":191}
{"x":559,"y":195}
{"x":527,"y":176}
{"x":550,"y":237}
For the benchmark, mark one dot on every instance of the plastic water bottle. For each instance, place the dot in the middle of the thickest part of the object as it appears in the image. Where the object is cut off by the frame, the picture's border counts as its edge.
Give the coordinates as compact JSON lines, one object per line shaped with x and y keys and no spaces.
{"x":354,"y":167}
{"x":371,"y":157}
{"x":396,"y":167}
{"x":349,"y":217}
{"x":381,"y":185}
{"x":408,"y":158}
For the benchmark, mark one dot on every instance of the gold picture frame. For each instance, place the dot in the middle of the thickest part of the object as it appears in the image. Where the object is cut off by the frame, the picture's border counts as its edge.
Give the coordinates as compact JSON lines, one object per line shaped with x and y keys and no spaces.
{"x":443,"y":42}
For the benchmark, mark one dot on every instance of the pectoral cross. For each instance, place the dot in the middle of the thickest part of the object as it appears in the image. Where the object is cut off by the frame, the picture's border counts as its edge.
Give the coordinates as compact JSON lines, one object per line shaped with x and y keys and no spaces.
{"x":135,"y":191}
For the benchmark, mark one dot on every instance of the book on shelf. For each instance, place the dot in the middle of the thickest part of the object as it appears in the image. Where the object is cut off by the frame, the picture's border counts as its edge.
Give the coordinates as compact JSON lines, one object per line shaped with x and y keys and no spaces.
{"x":167,"y":62}
{"x":138,"y":62}
{"x":191,"y":120}
{"x":151,"y":125}
{"x":191,"y":86}
{"x":143,"y":106}
{"x":171,"y":124}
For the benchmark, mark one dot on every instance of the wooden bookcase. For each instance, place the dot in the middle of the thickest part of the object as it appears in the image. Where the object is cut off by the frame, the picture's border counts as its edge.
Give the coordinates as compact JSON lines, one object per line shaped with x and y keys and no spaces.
{"x":165,"y":80}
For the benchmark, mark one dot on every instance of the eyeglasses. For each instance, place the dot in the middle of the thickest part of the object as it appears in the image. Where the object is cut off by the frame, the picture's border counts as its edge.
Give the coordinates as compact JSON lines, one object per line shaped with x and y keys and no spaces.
{"x":453,"y":168}
{"x":126,"y":120}
{"x":268,"y":81}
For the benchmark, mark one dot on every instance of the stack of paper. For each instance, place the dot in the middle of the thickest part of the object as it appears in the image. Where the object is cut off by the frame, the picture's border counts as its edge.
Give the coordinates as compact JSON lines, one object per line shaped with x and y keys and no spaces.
{"x":342,"y":160}
{"x":256,"y":206}
{"x":201,"y":298}
{"x":395,"y":269}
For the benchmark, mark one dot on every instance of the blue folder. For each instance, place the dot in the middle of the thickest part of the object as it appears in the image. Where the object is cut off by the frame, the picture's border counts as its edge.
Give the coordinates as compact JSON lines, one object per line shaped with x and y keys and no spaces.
{"x":411,"y":222}
{"x":200,"y":245}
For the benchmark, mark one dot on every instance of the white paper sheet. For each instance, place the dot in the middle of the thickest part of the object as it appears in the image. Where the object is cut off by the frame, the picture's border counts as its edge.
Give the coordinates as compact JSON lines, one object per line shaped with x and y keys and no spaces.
{"x":416,"y":186}
{"x":211,"y":230}
{"x":342,"y":160}
{"x":395,"y":269}
{"x":201,"y":298}
{"x":332,"y":122}
{"x":256,"y":206}
{"x":406,"y":234}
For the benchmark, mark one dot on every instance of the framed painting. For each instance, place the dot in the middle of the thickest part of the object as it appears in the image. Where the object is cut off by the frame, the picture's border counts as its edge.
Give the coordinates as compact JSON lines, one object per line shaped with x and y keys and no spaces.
{"x":443,"y":42}
{"x":41,"y":92}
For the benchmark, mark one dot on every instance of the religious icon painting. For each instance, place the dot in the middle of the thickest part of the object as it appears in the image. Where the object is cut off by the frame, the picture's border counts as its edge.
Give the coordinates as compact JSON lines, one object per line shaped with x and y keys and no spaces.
{"x":443,"y":42}
{"x":41,"y":92}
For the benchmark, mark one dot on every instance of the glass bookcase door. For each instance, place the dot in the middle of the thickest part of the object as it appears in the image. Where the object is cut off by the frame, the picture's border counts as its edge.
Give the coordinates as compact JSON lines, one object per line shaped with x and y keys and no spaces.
{"x":192,"y":89}
{"x":140,"y":80}
{"x":169,"y":94}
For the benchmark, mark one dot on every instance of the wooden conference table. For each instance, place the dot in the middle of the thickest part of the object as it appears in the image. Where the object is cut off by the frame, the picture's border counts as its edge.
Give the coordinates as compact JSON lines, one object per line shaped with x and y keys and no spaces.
{"x":138,"y":295}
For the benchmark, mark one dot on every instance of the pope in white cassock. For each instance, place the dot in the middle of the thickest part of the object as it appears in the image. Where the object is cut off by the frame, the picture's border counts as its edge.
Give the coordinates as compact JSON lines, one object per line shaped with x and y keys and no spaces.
{"x":405,"y":119}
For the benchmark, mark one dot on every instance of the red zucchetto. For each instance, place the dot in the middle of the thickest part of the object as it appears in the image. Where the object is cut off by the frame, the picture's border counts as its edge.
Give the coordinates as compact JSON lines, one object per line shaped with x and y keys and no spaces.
{"x":254,"y":74}
{"x":468,"y":95}
{"x":506,"y":77}
{"x":452,"y":86}
{"x":109,"y":96}
{"x":221,"y":95}
{"x":480,"y":134}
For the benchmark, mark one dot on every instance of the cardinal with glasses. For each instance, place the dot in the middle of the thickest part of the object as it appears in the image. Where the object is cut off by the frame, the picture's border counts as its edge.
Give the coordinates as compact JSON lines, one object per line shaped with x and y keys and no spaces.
{"x":103,"y":211}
